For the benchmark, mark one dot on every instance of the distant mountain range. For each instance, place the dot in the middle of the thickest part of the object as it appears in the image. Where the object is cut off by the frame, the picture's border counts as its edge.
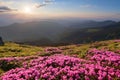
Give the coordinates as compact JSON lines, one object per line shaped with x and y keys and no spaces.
{"x":91,"y":23}
{"x":31,"y":31}
{"x":53,"y":32}
{"x":90,"y":34}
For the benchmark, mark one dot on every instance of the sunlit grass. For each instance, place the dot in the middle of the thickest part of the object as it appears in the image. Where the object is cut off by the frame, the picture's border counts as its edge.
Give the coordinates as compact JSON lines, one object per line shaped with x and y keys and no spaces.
{"x":81,"y":50}
{"x":17,"y":50}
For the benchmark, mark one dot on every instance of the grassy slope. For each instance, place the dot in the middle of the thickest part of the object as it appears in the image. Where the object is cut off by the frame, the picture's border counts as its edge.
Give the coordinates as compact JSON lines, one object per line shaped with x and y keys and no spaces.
{"x":16,"y":50}
{"x":82,"y":49}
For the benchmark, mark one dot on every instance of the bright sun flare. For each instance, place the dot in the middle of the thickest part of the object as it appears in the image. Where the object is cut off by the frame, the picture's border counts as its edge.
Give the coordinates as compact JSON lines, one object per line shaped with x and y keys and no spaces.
{"x":27,"y":10}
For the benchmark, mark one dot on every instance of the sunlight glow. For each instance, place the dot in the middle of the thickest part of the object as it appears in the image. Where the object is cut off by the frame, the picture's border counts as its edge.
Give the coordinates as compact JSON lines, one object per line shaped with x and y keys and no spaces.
{"x":27,"y":10}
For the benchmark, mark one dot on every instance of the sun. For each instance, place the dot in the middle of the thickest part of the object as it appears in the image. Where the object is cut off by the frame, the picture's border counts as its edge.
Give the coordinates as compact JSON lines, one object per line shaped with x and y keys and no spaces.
{"x":27,"y":10}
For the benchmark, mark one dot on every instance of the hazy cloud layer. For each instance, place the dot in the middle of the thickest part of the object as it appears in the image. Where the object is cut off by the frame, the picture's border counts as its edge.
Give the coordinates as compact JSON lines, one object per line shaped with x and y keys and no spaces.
{"x":4,"y":6}
{"x":6,"y":9}
{"x":46,"y":2}
{"x":61,"y":8}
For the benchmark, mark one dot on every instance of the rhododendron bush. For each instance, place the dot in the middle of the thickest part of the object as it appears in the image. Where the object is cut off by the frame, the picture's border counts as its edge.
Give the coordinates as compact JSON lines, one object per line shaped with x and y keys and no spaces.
{"x":98,"y":65}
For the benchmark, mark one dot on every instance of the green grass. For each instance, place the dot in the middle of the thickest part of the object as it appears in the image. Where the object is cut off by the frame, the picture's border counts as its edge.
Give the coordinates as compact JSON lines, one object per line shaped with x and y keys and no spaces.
{"x":81,"y":50}
{"x":93,"y":30}
{"x":17,"y":50}
{"x":1,"y":71}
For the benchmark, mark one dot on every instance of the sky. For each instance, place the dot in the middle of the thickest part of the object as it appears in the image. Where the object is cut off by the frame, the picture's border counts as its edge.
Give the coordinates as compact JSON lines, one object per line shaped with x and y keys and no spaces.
{"x":17,"y":10}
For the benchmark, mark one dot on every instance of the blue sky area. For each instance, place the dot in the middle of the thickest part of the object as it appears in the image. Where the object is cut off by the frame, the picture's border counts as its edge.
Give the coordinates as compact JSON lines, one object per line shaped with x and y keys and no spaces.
{"x":88,"y":9}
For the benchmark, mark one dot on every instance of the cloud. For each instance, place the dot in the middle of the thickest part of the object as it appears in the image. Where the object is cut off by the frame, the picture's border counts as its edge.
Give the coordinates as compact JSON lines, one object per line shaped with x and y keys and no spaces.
{"x":5,"y":6}
{"x":40,"y":5}
{"x":6,"y":9}
{"x":46,"y":2}
{"x":5,"y":3}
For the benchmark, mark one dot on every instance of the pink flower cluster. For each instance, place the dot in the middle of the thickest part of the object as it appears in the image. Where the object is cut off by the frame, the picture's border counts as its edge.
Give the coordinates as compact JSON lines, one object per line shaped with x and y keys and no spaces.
{"x":61,"y":67}
{"x":117,"y":51}
{"x":105,"y":58}
{"x":117,"y":40}
{"x":16,"y":59}
{"x":53,"y":50}
{"x":13,"y":62}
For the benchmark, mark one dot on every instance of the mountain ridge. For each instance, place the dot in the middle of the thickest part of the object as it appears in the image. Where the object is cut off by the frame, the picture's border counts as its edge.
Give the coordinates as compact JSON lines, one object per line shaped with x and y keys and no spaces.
{"x":51,"y":32}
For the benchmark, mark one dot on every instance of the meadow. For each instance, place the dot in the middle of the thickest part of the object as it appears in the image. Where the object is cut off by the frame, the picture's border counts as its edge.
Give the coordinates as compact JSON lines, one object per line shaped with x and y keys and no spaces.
{"x":93,"y":61}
